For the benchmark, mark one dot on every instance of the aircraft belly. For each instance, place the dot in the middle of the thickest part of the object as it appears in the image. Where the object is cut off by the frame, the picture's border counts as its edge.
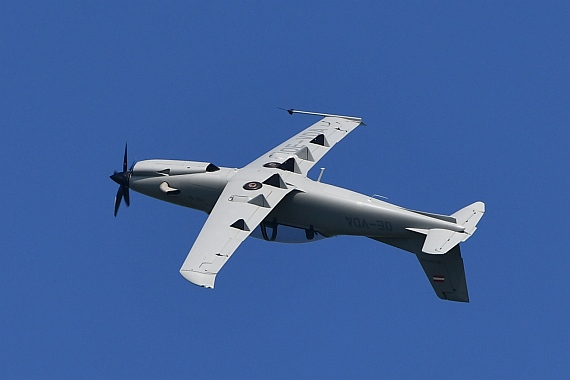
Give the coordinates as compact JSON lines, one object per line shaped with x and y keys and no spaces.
{"x":349,"y":213}
{"x":332,"y":215}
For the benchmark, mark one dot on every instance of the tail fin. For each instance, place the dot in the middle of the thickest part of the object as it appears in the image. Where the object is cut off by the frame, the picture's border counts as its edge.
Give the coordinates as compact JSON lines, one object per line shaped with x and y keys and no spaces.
{"x":440,"y":241}
{"x":469,"y":216}
{"x":445,"y":272}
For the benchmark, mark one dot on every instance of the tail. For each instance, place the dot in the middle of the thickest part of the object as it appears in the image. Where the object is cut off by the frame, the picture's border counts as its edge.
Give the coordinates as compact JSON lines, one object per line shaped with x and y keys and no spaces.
{"x":440,"y":241}
{"x":440,"y":255}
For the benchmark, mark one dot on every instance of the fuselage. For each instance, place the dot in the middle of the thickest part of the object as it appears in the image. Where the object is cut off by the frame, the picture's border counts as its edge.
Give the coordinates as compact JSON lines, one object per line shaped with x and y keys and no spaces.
{"x":312,"y":211}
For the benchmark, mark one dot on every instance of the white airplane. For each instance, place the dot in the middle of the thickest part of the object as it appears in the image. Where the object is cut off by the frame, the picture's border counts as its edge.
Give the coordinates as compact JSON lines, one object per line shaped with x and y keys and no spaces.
{"x":273,"y":199}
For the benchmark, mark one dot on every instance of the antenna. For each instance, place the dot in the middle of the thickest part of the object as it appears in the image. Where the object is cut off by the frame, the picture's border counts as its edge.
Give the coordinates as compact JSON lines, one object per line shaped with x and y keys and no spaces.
{"x":321,"y":175}
{"x":292,"y":111}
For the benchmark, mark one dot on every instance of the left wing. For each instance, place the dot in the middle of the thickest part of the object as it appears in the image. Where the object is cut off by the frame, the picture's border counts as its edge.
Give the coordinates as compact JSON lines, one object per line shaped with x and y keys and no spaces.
{"x":246,"y":200}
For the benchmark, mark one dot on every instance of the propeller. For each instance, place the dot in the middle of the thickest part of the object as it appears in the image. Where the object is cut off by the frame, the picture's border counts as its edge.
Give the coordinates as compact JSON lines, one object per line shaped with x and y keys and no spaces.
{"x":122,"y":179}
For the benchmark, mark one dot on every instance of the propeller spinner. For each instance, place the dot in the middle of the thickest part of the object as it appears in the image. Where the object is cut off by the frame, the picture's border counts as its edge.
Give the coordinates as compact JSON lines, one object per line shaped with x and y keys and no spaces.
{"x":122,"y":179}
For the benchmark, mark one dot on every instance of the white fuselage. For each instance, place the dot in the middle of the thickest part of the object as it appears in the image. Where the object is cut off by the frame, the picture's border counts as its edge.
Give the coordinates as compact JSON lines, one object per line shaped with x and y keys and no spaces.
{"x":313,"y":206}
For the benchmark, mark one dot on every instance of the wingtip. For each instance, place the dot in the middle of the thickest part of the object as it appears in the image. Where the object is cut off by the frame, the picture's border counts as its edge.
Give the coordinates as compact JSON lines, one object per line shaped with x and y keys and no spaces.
{"x":205,"y":280}
{"x":354,"y":118}
{"x":290,"y":111}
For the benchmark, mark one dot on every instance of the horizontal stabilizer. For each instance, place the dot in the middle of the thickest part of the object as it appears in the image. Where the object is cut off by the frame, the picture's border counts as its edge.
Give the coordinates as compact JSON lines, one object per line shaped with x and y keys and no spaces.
{"x":446,"y":274}
{"x":439,"y":241}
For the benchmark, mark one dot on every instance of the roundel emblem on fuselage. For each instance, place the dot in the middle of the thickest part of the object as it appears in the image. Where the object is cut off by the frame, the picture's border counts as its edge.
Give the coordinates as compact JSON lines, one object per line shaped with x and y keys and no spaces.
{"x":252,"y":186}
{"x":272,"y":165}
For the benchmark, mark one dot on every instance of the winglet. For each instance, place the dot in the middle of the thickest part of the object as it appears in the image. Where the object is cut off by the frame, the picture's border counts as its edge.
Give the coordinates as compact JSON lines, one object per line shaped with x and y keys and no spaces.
{"x":292,"y":111}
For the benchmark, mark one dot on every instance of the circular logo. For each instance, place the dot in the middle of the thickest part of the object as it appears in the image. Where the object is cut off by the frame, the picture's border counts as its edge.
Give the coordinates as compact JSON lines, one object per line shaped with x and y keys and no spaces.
{"x":272,"y":165}
{"x":252,"y":186}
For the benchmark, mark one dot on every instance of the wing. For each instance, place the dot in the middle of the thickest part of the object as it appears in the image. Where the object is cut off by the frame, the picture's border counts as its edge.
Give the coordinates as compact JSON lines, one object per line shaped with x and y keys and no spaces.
{"x":305,"y":149}
{"x":246,"y":200}
{"x":255,"y":190}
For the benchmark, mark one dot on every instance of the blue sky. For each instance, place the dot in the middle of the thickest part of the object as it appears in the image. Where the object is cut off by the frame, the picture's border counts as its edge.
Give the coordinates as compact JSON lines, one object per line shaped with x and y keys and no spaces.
{"x":463,"y":102}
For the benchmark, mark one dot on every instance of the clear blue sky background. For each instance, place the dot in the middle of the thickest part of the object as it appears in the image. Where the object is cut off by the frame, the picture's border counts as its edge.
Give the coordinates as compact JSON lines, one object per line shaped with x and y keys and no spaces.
{"x":463,"y":102}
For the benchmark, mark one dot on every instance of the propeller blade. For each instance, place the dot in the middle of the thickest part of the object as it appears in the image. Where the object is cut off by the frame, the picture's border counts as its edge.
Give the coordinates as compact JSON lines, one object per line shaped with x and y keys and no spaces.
{"x":122,"y":179}
{"x":127,"y":197}
{"x":118,"y":199}
{"x":125,"y":159}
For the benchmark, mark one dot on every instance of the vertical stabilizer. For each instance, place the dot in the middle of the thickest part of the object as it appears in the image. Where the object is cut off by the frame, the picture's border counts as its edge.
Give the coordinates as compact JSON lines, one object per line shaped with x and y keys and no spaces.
{"x":469,"y":216}
{"x":439,"y":241}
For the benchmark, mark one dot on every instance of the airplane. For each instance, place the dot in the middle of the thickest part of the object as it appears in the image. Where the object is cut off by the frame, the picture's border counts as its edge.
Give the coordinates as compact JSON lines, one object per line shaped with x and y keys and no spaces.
{"x":272,"y":198}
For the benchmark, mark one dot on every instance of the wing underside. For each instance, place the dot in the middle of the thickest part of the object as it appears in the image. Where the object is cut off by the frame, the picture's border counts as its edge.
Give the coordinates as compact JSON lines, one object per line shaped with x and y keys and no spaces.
{"x":254,"y":191}
{"x":247,"y":199}
{"x":305,"y":149}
